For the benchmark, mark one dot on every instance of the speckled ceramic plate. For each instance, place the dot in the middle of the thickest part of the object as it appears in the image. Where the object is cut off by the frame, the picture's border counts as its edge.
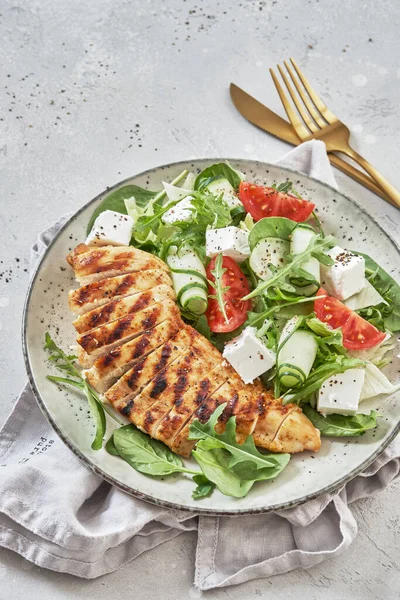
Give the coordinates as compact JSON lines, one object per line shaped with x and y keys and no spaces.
{"x":307,"y":475}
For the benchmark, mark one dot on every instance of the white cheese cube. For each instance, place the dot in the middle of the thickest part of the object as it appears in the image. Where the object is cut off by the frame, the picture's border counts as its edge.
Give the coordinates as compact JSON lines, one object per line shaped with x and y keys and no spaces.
{"x":179,"y":212}
{"x":230,"y":241}
{"x":248,"y":355}
{"x":346,"y":277}
{"x":111,"y":228}
{"x":340,"y":394}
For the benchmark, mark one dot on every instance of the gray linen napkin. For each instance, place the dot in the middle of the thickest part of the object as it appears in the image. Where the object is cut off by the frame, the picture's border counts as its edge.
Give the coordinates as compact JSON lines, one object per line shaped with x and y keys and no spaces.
{"x":56,"y":513}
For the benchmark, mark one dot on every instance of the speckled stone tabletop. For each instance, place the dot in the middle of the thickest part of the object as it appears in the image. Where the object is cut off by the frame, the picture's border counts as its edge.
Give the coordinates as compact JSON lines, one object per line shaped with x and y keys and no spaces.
{"x":92,"y":92}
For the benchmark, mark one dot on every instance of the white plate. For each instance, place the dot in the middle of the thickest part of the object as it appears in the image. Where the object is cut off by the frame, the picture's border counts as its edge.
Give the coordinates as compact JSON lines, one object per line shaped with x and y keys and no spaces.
{"x":308,"y":474}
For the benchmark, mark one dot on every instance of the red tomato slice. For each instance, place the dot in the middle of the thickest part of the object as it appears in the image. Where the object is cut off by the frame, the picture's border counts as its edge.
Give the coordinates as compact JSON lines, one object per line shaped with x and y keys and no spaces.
{"x":235,"y":308}
{"x":262,"y":201}
{"x":358,"y":334}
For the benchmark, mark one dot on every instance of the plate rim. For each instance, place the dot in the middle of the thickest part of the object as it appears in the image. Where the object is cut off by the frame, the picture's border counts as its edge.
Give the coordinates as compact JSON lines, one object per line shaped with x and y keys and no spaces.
{"x":128,"y":489}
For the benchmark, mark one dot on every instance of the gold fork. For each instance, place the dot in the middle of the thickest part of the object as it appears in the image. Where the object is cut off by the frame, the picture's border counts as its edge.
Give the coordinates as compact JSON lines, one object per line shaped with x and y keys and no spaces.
{"x":318,"y":122}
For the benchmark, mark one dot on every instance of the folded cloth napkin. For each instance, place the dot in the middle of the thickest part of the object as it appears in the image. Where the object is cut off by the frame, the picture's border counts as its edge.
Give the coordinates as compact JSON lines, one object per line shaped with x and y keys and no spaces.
{"x":56,"y":513}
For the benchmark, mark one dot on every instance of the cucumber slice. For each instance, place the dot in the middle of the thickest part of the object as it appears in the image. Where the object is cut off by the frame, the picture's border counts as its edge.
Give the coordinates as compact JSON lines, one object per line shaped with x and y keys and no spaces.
{"x":189,"y":279}
{"x":300,"y":240}
{"x":301,"y":237}
{"x":295,"y":358}
{"x":222,"y":186}
{"x":270,"y":251}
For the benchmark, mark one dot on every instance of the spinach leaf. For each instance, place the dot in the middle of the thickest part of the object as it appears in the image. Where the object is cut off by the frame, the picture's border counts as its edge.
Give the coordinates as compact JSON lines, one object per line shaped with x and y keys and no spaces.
{"x":110,"y":446}
{"x":279,"y":227}
{"x":233,"y":481}
{"x":116,"y":201}
{"x":388,"y":288}
{"x":232,"y":467}
{"x":217,"y":171}
{"x":145,"y":454}
{"x":341,"y":425}
{"x":204,"y":487}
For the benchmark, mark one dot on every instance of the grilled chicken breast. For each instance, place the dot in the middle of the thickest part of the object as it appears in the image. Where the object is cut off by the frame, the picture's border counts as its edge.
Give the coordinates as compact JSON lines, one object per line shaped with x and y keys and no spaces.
{"x":110,"y":367}
{"x":156,"y":370}
{"x":93,"y":295}
{"x":120,"y":307}
{"x":106,"y":337}
{"x":94,"y":263}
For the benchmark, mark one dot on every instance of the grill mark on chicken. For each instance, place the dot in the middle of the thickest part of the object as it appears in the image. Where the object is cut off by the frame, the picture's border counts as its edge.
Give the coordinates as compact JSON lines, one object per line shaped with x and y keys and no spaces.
{"x":126,"y":410}
{"x":229,"y":409}
{"x":111,"y":357}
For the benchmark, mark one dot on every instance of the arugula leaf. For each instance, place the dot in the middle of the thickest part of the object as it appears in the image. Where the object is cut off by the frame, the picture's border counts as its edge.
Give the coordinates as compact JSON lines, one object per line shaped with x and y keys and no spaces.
{"x":218,"y":273}
{"x":388,"y":288}
{"x":278,"y":227}
{"x":340,"y":364}
{"x":66,"y":363}
{"x":62,"y":361}
{"x":204,"y":487}
{"x":217,"y":171}
{"x":285,"y":187}
{"x":145,"y":454}
{"x":341,"y":425}
{"x":291,"y":269}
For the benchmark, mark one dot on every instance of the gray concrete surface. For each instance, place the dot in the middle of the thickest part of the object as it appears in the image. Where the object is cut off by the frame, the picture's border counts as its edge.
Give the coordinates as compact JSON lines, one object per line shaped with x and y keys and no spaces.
{"x":91,"y":92}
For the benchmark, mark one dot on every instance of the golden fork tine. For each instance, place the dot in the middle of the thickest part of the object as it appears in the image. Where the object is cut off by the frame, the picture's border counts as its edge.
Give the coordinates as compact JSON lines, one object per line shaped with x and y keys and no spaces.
{"x":307,"y":103}
{"x":292,"y":116}
{"x":308,"y":122}
{"x":324,"y":110}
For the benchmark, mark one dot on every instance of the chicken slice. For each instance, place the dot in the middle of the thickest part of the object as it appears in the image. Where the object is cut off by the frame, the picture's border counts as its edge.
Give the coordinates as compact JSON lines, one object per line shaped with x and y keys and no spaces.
{"x":97,"y":294}
{"x":296,"y":434}
{"x":109,"y":367}
{"x":119,"y":307}
{"x":93,"y":264}
{"x":226,"y":393}
{"x":122,"y":394}
{"x":184,"y":407}
{"x":190,"y":369}
{"x":106,"y":337}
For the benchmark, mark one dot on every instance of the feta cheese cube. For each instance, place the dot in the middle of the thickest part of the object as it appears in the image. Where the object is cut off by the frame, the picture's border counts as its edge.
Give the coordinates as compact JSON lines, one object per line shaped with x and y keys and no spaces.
{"x":248,"y":355}
{"x":179,"y":212}
{"x":230,"y":241}
{"x":346,"y":277}
{"x":111,"y":228}
{"x":340,"y":394}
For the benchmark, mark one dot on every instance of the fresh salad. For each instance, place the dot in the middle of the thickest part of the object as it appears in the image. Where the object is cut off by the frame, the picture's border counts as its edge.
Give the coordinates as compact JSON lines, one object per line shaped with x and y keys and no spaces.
{"x":256,"y":274}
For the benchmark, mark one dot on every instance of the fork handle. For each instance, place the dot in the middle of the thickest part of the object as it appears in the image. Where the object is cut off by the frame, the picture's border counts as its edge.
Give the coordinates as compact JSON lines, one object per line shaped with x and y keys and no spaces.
{"x":387,"y":187}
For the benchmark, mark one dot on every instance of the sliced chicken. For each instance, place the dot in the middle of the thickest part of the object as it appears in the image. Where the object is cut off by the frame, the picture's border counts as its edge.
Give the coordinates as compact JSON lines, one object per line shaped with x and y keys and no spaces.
{"x":106,"y":337}
{"x":184,"y":407}
{"x":119,"y":307}
{"x":268,"y":428}
{"x":189,"y":369}
{"x":109,"y":367}
{"x":92,"y":264}
{"x":296,"y":434}
{"x":122,"y":394}
{"x":96,"y":294}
